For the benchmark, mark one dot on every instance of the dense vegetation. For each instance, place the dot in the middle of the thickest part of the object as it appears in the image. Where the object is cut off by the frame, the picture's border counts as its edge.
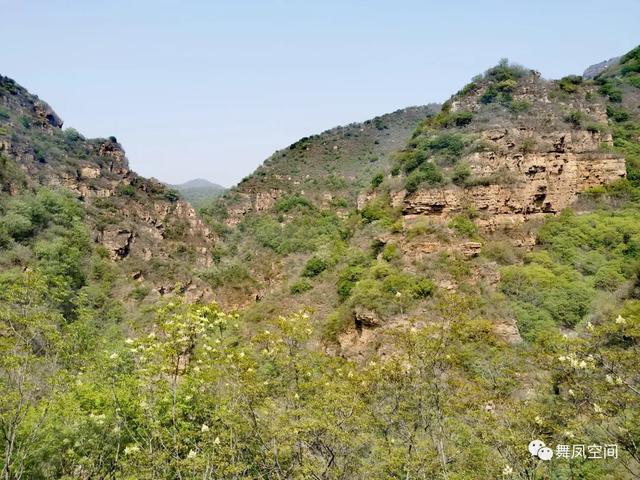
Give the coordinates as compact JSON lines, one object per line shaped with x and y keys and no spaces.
{"x":89,"y":391}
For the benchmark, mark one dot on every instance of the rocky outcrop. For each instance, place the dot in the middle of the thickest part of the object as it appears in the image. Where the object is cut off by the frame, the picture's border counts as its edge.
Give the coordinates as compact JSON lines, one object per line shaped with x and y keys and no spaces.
{"x":516,"y":183}
{"x":594,"y":70}
{"x":252,"y":202}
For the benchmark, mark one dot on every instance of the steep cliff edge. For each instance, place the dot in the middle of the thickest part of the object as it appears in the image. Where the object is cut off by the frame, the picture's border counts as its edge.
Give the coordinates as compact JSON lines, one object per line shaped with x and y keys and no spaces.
{"x":156,"y":236}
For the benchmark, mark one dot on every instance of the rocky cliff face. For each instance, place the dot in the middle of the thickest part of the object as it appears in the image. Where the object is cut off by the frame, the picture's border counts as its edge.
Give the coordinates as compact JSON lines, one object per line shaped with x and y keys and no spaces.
{"x":523,"y":165}
{"x":526,"y":183}
{"x":136,"y":219}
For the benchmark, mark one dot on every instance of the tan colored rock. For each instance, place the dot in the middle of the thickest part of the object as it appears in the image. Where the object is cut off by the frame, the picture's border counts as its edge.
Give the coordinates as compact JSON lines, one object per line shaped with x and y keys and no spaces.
{"x":89,"y":172}
{"x":470,"y":249}
{"x":366,"y":318}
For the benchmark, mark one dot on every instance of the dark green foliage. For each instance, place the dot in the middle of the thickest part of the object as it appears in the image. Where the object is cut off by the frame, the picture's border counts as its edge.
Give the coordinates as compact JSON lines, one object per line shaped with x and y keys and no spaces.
{"x":300,"y":286}
{"x":543,"y":290}
{"x":233,"y":274}
{"x":570,"y":83}
{"x":303,"y":233}
{"x":575,"y":118}
{"x":461,"y":173}
{"x":489,"y":96}
{"x":428,"y":173}
{"x":377,"y":180}
{"x":172,"y":195}
{"x":314,"y":267}
{"x":391,"y":252}
{"x":448,"y":144}
{"x":617,"y":114}
{"x":379,"y":209}
{"x":348,"y":278}
{"x":463,"y":226}
{"x":128,"y":191}
{"x":286,"y":204}
{"x":609,"y":89}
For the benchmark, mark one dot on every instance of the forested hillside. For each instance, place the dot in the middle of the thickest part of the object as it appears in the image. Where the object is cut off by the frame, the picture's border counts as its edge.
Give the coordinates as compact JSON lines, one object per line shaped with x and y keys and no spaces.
{"x":418,"y":296}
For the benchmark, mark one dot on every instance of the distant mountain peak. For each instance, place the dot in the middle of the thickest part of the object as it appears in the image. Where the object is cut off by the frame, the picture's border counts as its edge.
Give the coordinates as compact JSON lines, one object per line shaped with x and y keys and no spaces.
{"x":594,"y":70}
{"x":198,"y":183}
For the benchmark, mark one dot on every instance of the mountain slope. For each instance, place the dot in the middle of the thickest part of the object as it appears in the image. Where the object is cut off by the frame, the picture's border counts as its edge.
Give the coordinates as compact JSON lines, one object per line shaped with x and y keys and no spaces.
{"x":313,"y":228}
{"x":154,"y":237}
{"x":199,"y":191}
{"x":428,"y":320}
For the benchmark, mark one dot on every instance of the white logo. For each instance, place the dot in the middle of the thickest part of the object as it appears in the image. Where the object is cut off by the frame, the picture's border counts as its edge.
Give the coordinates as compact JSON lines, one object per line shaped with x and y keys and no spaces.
{"x":537,"y":448}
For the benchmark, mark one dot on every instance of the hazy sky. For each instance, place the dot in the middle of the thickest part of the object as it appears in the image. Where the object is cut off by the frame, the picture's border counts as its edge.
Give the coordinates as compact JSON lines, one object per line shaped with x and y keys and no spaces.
{"x":211,"y":88}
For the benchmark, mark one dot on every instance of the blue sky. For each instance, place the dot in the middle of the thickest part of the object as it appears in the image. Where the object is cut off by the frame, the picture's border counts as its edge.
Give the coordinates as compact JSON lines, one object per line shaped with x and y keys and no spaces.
{"x":211,"y":88}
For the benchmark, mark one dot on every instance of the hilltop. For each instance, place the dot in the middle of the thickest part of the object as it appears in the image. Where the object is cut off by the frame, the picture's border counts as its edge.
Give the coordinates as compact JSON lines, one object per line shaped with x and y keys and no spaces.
{"x":199,"y":191}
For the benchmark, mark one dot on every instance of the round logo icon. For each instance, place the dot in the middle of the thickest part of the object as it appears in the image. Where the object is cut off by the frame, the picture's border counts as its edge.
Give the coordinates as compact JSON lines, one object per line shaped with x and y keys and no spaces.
{"x":535,"y":446}
{"x":545,"y":453}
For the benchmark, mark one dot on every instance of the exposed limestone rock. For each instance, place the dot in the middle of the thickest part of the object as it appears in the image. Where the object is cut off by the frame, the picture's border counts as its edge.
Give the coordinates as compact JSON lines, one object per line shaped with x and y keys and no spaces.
{"x":470,"y":249}
{"x":118,"y":242}
{"x":246,"y":203}
{"x":522,"y":184}
{"x":366,"y":318}
{"x":47,"y":116}
{"x":89,"y":172}
{"x":113,"y":151}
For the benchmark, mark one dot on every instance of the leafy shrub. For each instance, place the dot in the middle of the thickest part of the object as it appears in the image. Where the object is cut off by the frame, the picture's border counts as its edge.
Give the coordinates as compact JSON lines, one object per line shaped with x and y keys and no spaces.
{"x":463,"y":226}
{"x":519,"y":106}
{"x":556,"y":290}
{"x":391,"y":252}
{"x":609,"y":90}
{"x":377,"y":180}
{"x":171,"y":195}
{"x":595,"y":127}
{"x":429,"y":173}
{"x":608,"y":278}
{"x":300,"y":286}
{"x":574,"y":117}
{"x":617,"y":114}
{"x":379,"y":209}
{"x":461,"y":173}
{"x":507,"y":85}
{"x":291,"y":202}
{"x":347,"y":280}
{"x":570,"y":83}
{"x":314,"y":266}
{"x":128,"y":191}
{"x":422,"y":288}
{"x":449,"y":144}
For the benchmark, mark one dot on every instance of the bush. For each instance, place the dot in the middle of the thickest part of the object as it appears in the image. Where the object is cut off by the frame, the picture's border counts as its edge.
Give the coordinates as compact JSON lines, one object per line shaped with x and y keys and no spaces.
{"x":300,"y":286}
{"x":292,"y":202}
{"x":449,"y":144}
{"x":380,"y":209}
{"x":570,"y":83}
{"x":609,"y":90}
{"x":574,"y":117}
{"x":461,"y":173}
{"x":617,"y":114}
{"x":171,"y":195}
{"x":391,"y":252}
{"x":608,"y":278}
{"x":377,"y":180}
{"x":557,"y":291}
{"x":128,"y":191}
{"x":314,"y":266}
{"x":428,"y":173}
{"x":519,"y":106}
{"x":423,"y":288}
{"x":347,"y":280}
{"x":463,"y":226}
